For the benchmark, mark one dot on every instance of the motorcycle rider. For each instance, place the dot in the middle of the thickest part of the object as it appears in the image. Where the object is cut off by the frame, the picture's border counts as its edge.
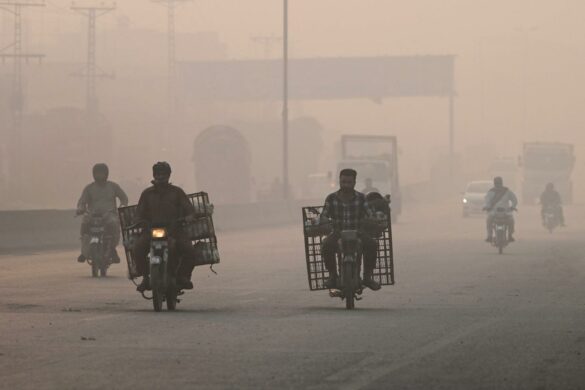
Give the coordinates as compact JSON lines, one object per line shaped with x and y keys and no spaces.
{"x":369,"y":186}
{"x":347,"y":208}
{"x":500,"y":197}
{"x":551,"y":199}
{"x":100,"y":197}
{"x":163,"y":204}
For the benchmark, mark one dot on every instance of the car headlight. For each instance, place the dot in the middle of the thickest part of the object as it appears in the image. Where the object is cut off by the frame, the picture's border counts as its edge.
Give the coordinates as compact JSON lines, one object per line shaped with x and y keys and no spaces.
{"x":159,"y":233}
{"x":464,"y":200}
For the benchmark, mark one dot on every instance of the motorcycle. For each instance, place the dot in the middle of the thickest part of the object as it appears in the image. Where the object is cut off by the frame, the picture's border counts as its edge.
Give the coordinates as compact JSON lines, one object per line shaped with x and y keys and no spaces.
{"x":349,"y":257}
{"x":500,"y":229}
{"x":100,"y":246}
{"x":163,"y":280}
{"x":551,"y":218}
{"x":163,"y":269}
{"x":163,"y":277}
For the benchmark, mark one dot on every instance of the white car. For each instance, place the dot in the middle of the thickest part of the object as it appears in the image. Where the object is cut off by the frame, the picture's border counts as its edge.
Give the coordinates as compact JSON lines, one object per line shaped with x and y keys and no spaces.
{"x":474,"y":196}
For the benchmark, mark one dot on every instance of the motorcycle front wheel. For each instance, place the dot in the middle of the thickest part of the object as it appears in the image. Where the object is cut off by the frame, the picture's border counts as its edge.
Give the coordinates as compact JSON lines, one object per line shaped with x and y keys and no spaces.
{"x":156,"y":284}
{"x":348,"y":286}
{"x":95,"y":252}
{"x":94,"y":269}
{"x":500,"y":240}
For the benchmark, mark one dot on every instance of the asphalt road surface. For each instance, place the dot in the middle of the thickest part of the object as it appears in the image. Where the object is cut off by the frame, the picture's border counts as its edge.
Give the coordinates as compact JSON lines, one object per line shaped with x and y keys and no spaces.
{"x":460,"y":317}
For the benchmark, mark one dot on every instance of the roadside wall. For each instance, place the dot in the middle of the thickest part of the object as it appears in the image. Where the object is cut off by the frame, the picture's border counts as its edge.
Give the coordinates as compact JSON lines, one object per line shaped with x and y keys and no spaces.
{"x":36,"y":230}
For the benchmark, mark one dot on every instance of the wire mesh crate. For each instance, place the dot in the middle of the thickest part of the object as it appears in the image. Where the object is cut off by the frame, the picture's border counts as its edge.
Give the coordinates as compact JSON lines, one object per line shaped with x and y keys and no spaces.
{"x":314,"y":233}
{"x":201,"y":232}
{"x":129,"y":236}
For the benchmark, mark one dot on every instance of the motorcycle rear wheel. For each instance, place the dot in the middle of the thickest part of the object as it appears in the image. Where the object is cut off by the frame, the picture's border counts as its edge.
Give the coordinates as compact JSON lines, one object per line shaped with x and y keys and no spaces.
{"x":171,"y":300}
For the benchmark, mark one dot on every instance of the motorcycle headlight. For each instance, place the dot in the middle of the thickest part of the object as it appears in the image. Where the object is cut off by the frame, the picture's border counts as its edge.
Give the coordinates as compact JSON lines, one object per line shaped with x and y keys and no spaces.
{"x":464,"y":200}
{"x":159,"y":233}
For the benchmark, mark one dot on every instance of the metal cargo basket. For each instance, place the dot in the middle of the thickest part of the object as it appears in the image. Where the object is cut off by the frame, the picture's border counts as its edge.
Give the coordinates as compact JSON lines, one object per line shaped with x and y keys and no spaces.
{"x":201,"y":232}
{"x":315,"y":233}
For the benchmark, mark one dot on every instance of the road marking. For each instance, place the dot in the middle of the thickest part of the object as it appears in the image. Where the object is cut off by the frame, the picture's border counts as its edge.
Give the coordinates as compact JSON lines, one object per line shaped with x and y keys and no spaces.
{"x":246,"y":293}
{"x":101,"y":317}
{"x":374,"y":367}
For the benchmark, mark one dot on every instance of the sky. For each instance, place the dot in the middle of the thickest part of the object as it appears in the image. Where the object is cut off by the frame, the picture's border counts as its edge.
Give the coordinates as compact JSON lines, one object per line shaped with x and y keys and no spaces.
{"x":519,"y":64}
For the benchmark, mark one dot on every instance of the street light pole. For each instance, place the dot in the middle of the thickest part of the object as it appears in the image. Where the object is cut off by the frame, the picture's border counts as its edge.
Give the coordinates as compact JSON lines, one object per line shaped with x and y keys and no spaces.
{"x":451,"y":134}
{"x":285,"y":103}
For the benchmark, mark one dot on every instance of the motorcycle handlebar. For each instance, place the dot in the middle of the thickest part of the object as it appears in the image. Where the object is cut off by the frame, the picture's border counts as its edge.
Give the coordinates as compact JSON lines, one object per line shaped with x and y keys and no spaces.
{"x":141,"y":223}
{"x":509,"y":209}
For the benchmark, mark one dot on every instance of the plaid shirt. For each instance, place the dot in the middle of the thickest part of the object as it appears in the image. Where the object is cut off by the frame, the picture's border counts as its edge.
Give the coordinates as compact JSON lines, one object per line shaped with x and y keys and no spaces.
{"x":346,"y":215}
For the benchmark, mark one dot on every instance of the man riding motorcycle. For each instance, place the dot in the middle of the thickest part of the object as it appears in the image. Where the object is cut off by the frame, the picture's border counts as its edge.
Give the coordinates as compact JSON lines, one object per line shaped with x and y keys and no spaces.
{"x":551,"y":199}
{"x":99,"y":197}
{"x":500,"y":197}
{"x":347,"y":208}
{"x":165,"y":204}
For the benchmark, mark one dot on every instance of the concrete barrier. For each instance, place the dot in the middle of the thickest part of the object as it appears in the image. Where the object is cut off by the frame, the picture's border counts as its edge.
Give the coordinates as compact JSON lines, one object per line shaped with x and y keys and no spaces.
{"x":35,"y":230}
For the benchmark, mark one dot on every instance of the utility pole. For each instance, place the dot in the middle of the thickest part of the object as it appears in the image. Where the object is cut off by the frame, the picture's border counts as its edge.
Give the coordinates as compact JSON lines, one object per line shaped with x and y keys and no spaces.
{"x":171,"y":6}
{"x":91,"y":68}
{"x":17,"y":103}
{"x":15,"y":8}
{"x":268,"y":42}
{"x":285,"y":102}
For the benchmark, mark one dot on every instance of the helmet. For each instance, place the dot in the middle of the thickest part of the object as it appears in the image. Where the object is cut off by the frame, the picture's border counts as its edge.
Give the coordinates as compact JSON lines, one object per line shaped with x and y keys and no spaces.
{"x":550,"y":186}
{"x":100,"y":168}
{"x":498,"y":181}
{"x":161,"y":167}
{"x":374,"y":196}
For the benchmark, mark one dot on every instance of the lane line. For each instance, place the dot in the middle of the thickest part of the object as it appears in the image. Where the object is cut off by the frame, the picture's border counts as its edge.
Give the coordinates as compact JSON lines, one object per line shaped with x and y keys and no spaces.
{"x":102,"y":317}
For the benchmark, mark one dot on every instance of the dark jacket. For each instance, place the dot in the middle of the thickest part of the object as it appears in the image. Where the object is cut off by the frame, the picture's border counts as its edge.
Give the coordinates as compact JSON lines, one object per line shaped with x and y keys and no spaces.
{"x":163,"y":205}
{"x":550,"y":198}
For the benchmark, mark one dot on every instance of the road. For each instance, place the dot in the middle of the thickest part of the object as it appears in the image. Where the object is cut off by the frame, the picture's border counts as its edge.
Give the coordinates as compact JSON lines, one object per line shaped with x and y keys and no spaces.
{"x":459,"y":317}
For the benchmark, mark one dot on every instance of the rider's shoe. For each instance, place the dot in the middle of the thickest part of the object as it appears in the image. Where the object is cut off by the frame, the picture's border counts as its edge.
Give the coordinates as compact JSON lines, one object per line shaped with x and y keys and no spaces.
{"x":145,"y":285}
{"x":489,"y":239}
{"x":563,"y":224}
{"x":371,"y":283}
{"x":184,"y":284}
{"x":115,"y":257}
{"x":331,"y":282}
{"x":510,"y":238}
{"x":81,"y":258}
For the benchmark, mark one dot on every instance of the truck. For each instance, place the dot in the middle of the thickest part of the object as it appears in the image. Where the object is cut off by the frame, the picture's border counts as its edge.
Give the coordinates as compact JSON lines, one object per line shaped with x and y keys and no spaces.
{"x":547,"y":162}
{"x":374,"y":157}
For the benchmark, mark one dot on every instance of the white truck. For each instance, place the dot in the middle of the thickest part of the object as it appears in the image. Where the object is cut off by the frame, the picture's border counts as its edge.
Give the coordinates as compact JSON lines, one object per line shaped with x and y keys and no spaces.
{"x":374,"y":157}
{"x":547,"y":162}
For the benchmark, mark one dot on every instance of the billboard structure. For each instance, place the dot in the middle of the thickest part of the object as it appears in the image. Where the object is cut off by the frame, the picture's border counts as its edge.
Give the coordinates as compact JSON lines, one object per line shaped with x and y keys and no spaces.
{"x":374,"y":78}
{"x":319,"y":78}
